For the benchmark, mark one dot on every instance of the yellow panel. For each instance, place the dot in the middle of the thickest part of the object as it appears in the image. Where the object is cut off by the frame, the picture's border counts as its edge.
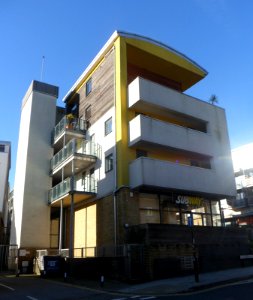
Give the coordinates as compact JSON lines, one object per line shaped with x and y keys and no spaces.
{"x":170,"y":156}
{"x":167,"y":55}
{"x":80,"y":228}
{"x":124,"y":154}
{"x":91,"y":226}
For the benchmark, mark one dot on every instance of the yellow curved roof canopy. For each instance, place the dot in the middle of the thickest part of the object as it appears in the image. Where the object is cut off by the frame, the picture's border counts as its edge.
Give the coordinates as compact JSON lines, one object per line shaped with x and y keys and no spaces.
{"x":150,"y":55}
{"x":162,"y":60}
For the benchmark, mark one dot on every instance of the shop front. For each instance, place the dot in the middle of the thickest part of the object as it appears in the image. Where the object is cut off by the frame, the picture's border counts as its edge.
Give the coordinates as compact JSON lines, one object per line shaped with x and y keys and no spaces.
{"x":179,"y":209}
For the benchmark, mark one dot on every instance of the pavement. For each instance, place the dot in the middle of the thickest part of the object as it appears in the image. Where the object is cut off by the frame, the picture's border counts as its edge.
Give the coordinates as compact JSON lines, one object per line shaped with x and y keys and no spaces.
{"x":175,"y":285}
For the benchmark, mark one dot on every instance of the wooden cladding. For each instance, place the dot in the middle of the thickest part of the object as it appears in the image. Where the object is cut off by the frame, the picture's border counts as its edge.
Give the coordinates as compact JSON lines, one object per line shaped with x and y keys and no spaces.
{"x":101,"y":98}
{"x":134,"y":71}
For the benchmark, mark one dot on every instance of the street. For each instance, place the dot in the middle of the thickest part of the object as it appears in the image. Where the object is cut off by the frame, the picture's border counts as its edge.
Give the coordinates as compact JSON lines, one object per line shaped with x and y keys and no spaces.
{"x":35,"y":288}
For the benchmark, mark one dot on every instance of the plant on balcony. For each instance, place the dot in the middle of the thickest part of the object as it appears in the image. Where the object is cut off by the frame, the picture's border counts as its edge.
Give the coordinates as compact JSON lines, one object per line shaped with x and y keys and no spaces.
{"x":70,"y":118}
{"x":213,"y":99}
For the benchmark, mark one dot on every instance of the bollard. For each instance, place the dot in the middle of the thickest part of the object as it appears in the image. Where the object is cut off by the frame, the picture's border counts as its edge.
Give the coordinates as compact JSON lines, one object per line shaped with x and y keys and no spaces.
{"x":102,"y":280}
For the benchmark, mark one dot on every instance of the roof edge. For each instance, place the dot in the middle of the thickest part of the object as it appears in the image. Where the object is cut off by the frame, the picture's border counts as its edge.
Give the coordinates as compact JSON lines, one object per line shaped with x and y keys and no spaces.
{"x":125,"y":34}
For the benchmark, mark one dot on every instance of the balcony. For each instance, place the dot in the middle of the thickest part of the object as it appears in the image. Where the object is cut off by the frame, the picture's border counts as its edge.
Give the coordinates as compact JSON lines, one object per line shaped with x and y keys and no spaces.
{"x":238,"y":204}
{"x":77,"y":155}
{"x":150,"y":98}
{"x":81,"y":188}
{"x":70,"y":127}
{"x":163,"y":175}
{"x":145,"y":131}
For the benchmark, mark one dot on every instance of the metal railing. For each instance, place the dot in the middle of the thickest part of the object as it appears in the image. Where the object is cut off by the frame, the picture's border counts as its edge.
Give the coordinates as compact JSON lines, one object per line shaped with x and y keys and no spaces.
{"x":75,"y":146}
{"x":89,"y":186}
{"x":66,"y":123}
{"x":82,"y":252}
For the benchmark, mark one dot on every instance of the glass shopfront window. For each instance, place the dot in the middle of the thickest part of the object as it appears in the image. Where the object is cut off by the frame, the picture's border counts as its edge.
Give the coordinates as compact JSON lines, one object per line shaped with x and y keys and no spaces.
{"x":149,"y":209}
{"x":180,"y":210}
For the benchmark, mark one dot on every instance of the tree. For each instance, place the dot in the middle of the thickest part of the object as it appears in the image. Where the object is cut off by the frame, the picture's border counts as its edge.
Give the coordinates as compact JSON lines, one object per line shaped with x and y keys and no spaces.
{"x":213,"y":99}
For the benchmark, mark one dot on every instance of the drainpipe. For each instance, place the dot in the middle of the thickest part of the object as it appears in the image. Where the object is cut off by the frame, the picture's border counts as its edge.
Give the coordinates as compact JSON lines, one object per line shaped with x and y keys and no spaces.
{"x":115,"y":161}
{"x":60,"y":225}
{"x":71,"y":225}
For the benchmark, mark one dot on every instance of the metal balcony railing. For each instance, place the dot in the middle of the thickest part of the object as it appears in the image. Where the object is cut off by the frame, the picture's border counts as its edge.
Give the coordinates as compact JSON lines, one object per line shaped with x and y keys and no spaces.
{"x":75,"y":146}
{"x":240,"y":203}
{"x":85,"y":185}
{"x":74,"y":124}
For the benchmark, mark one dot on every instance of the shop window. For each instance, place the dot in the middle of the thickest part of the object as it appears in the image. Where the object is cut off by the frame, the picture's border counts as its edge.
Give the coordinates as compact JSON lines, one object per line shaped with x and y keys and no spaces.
{"x":88,"y":87}
{"x":149,"y":209}
{"x":108,"y":163}
{"x":108,"y":126}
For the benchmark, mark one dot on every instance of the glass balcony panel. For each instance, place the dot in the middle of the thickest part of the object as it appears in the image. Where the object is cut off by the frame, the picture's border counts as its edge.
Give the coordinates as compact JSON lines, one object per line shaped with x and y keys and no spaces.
{"x":66,"y":123}
{"x":64,"y":187}
{"x":76,"y":146}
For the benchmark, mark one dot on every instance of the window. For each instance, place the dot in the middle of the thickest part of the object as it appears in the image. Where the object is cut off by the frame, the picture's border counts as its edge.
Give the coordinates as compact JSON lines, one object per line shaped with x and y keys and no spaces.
{"x":88,"y":87}
{"x":108,"y":163}
{"x":2,"y":148}
{"x":108,"y":126}
{"x":88,"y":112}
{"x":83,"y":178}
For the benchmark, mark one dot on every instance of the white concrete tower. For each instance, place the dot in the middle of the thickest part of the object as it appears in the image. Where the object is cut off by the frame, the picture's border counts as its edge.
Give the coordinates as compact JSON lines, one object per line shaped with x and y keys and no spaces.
{"x":31,"y":224}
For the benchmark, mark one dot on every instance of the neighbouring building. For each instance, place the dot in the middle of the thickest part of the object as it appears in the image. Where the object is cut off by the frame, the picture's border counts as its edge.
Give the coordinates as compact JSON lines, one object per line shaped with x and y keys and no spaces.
{"x":242,"y":205}
{"x":131,"y":162}
{"x":5,"y":165}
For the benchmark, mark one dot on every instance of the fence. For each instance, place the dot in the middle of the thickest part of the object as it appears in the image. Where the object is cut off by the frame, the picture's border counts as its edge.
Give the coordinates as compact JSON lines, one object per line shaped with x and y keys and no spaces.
{"x":8,"y":255}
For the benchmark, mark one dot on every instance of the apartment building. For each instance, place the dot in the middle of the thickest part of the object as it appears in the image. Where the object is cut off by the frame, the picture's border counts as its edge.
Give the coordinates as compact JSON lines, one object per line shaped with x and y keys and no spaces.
{"x":5,"y":165}
{"x":131,"y":159}
{"x":242,"y":205}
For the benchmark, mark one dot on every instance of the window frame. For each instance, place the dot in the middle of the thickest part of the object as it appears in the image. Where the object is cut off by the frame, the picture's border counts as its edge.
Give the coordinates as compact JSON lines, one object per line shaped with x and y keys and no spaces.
{"x":87,"y":112}
{"x":88,"y":86}
{"x":108,"y":129}
{"x":109,"y":163}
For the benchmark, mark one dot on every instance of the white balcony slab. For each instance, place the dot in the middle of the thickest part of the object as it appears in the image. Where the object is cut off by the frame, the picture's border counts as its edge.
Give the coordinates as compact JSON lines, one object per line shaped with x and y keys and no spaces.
{"x":166,"y":175}
{"x":144,"y":129}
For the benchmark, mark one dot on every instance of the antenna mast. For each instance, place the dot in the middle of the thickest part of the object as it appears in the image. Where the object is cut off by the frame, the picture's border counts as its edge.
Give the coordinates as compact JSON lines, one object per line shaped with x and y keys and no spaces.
{"x":42,"y":67}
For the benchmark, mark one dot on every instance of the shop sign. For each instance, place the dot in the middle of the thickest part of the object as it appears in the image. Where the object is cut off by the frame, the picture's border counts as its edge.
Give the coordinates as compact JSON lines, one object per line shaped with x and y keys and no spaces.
{"x":188,"y":200}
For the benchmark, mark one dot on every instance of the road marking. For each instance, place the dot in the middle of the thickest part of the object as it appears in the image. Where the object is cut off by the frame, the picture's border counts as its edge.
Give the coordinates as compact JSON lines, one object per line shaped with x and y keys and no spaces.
{"x":32,"y":298}
{"x":8,"y":287}
{"x":146,"y":298}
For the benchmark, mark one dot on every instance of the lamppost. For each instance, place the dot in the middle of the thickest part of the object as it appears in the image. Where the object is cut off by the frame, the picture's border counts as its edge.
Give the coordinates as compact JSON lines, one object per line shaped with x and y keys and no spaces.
{"x":194,"y":249}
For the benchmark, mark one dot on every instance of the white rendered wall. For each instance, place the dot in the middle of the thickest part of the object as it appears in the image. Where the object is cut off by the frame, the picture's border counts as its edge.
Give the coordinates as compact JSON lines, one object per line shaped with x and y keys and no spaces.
{"x":106,"y":181}
{"x":4,"y":175}
{"x":152,"y":96}
{"x":31,"y":226}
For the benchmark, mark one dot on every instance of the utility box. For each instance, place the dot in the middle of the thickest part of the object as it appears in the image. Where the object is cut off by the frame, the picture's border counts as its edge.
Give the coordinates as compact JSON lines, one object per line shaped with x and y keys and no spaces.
{"x":52,"y":265}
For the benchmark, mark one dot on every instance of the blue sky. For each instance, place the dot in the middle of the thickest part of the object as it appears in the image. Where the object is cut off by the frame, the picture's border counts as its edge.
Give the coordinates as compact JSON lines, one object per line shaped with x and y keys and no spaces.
{"x":217,"y":34}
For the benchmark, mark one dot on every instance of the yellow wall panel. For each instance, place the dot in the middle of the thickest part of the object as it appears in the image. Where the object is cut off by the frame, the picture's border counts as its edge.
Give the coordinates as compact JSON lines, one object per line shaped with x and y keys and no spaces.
{"x":80,"y":228}
{"x":91,"y":226}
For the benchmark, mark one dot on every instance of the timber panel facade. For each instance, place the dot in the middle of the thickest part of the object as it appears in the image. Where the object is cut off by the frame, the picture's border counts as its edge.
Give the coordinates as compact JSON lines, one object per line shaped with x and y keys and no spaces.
{"x":101,"y":97}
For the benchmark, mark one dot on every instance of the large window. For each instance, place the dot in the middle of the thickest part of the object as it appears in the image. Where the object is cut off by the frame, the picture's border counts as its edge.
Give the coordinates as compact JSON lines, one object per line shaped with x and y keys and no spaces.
{"x":180,"y":210}
{"x":108,"y":126}
{"x":108,"y":163}
{"x":88,"y":87}
{"x":149,"y":209}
